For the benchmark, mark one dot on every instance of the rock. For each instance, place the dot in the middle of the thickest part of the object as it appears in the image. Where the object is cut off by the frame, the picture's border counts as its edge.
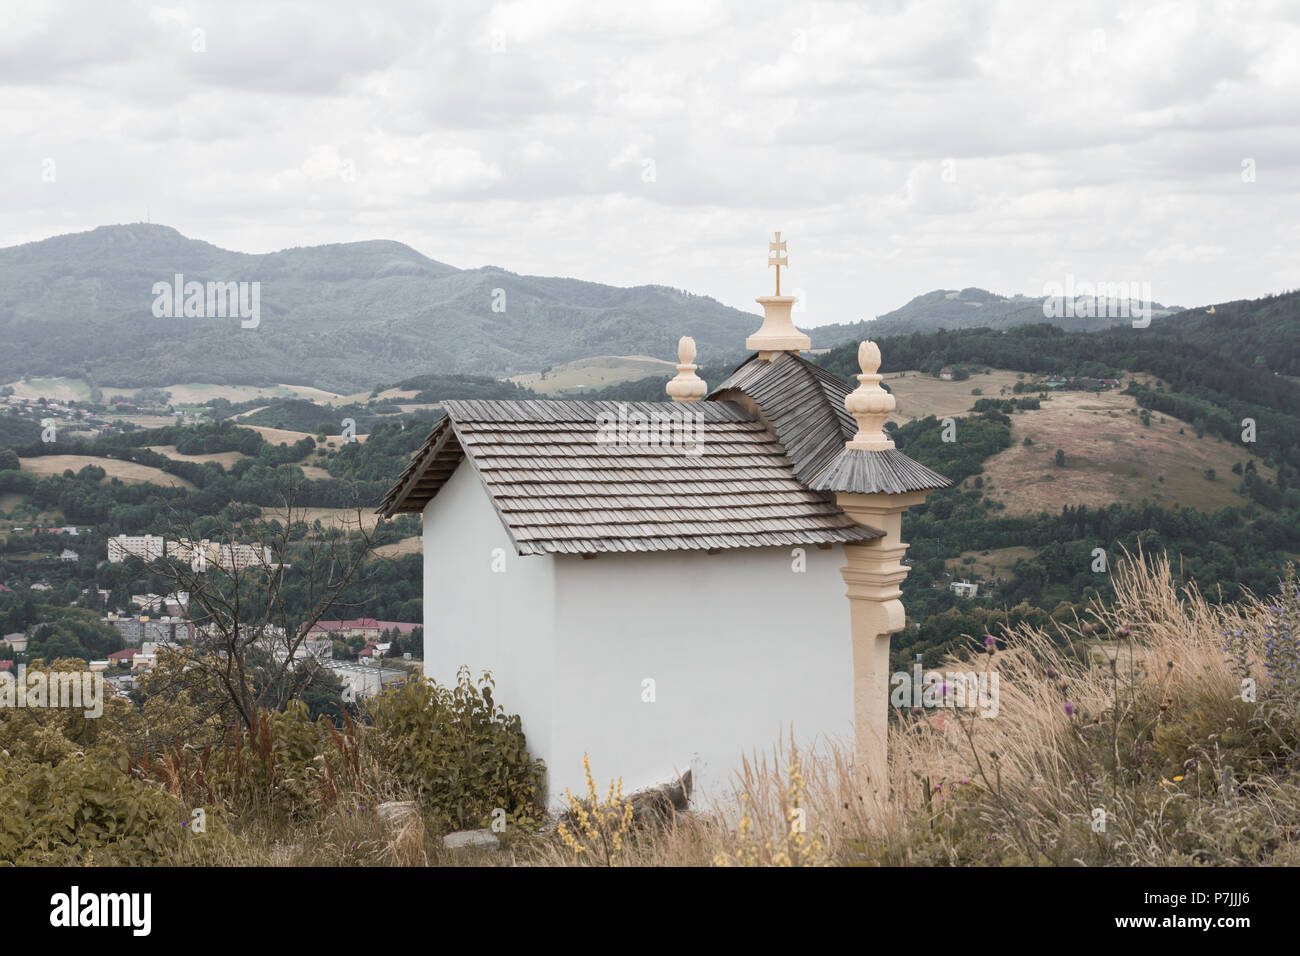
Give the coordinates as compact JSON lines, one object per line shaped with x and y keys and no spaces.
{"x":652,"y":806}
{"x":473,"y":839}
{"x":396,"y":811}
{"x":660,"y":804}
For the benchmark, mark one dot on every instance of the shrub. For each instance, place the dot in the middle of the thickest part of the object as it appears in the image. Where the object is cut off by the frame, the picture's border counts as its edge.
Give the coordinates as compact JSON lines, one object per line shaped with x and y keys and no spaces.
{"x":457,"y":750}
{"x":80,"y":810}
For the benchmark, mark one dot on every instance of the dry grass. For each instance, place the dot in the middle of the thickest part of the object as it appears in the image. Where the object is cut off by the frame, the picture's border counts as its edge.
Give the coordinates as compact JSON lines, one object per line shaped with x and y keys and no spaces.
{"x":128,"y":471}
{"x":223,"y":458}
{"x":412,"y":545}
{"x":919,"y":395}
{"x":1110,"y":456}
{"x":990,"y":564}
{"x":277,"y":436}
{"x":349,"y":519}
{"x":598,"y":371}
{"x":1160,"y":746}
{"x":1134,"y":717}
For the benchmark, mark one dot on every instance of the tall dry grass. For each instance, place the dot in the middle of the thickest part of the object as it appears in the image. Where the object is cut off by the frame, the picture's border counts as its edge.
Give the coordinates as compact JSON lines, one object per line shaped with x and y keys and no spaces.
{"x":1126,"y":737}
{"x":1120,"y":739}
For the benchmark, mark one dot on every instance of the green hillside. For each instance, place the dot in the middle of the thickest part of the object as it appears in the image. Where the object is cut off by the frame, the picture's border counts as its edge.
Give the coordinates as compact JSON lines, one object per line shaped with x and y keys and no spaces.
{"x":969,"y":309}
{"x":338,"y":317}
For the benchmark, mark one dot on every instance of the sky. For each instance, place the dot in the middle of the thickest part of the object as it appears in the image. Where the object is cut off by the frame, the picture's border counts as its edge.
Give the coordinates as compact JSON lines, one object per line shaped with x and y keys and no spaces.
{"x":898,"y":147}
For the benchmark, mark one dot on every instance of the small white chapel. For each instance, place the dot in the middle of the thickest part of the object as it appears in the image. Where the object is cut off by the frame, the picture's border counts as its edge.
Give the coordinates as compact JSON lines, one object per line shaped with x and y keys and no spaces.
{"x":667,"y":586}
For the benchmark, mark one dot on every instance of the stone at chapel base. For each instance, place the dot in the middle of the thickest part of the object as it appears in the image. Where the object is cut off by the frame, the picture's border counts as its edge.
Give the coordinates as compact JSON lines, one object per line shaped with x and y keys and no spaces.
{"x":472,"y":840}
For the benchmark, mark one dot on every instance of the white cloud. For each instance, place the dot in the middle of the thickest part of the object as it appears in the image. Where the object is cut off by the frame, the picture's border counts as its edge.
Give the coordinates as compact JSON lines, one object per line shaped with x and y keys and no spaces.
{"x":1089,"y":138}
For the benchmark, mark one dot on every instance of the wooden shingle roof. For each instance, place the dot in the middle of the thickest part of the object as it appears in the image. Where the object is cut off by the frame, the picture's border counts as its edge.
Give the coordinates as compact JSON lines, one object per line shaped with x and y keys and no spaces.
{"x":868,"y":472}
{"x":804,"y":404}
{"x":565,"y":479}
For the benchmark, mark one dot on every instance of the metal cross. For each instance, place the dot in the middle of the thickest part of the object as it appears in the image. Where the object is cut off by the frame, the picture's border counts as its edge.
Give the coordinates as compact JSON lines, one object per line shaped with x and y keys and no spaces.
{"x":776,"y":257}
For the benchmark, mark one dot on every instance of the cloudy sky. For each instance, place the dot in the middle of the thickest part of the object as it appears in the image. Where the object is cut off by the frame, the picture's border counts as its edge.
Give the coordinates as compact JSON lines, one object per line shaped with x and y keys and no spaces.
{"x":900,"y":147}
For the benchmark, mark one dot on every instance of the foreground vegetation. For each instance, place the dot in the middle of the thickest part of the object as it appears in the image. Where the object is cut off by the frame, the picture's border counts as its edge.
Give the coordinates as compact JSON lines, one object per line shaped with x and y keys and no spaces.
{"x":1174,"y":741}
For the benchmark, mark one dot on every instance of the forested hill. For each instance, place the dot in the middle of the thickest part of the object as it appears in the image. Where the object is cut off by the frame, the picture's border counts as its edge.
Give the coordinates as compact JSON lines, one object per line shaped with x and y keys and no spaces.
{"x":339,"y":317}
{"x":1206,"y":384}
{"x":1264,"y":333}
{"x":976,"y":308}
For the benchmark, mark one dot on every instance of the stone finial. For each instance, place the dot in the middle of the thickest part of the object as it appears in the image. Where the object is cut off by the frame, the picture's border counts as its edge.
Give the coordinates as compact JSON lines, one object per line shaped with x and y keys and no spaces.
{"x":686,"y":386}
{"x":870,"y":404}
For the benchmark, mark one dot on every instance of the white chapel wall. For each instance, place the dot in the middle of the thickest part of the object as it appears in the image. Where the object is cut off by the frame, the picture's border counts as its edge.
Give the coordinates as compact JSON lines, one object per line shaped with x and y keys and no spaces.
{"x":739,"y":647}
{"x":497,"y":620}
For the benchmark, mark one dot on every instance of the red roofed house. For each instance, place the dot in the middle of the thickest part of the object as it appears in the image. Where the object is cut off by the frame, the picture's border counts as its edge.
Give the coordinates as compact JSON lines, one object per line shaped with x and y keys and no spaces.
{"x":367,"y":628}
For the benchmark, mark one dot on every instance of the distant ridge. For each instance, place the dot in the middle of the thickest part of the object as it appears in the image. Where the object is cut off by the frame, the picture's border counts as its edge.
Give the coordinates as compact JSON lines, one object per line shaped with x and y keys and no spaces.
{"x":967,"y":309}
{"x":342,"y":317}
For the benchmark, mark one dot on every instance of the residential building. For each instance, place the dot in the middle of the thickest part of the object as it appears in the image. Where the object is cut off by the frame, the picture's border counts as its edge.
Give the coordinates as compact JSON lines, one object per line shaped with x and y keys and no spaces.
{"x":366,"y":628}
{"x":146,"y":547}
{"x":361,"y":681}
{"x":135,"y":630}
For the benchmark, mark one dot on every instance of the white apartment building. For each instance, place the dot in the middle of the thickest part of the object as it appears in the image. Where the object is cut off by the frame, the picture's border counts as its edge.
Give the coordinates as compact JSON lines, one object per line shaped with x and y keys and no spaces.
{"x":146,"y":547}
{"x":229,"y":557}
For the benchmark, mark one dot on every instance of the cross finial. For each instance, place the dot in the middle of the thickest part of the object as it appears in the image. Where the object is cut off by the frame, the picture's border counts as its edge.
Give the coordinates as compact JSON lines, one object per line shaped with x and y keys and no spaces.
{"x":776,"y":257}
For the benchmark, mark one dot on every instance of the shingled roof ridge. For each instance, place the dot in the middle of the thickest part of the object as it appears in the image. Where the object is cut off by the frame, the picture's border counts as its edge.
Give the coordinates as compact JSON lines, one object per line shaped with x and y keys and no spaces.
{"x":577,"y":410}
{"x":802,"y":402}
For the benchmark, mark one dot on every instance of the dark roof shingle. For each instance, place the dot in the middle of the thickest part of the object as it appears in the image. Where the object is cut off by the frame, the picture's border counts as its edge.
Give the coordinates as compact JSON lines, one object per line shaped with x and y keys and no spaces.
{"x":564,"y":481}
{"x":868,"y":472}
{"x":803,"y":402}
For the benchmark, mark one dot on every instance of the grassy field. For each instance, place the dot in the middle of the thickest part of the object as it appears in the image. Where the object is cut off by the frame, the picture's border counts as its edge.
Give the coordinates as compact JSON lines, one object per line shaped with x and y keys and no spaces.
{"x":345,"y":518}
{"x":989,"y":565}
{"x":397,"y":549}
{"x":1110,"y":456}
{"x":919,"y":395}
{"x":277,"y":435}
{"x":223,"y":458}
{"x":191,"y":393}
{"x":595,"y":372}
{"x":128,"y":471}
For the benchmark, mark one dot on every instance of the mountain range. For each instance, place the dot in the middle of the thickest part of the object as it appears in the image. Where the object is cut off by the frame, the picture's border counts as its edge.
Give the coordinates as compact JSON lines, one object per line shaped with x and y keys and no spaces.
{"x":341,"y":317}
{"x":975,"y":308}
{"x":348,"y":317}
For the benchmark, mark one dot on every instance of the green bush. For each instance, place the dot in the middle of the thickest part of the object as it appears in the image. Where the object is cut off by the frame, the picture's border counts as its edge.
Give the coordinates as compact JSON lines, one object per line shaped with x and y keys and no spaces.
{"x":83,"y":808}
{"x":458,"y":750}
